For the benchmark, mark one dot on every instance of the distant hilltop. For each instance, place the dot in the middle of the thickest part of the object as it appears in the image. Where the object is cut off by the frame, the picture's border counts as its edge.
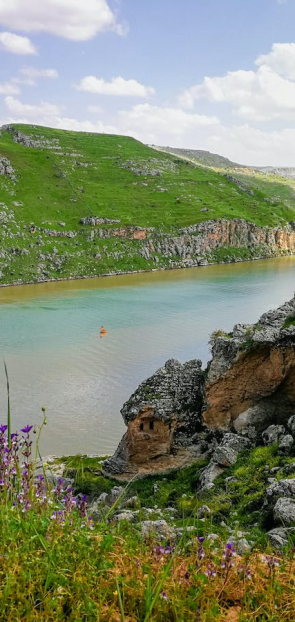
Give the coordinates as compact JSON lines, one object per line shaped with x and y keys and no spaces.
{"x":213,"y":160}
{"x":204,"y":158}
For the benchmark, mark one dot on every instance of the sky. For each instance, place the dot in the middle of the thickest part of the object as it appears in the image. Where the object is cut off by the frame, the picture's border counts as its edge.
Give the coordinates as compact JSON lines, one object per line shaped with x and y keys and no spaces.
{"x":217,"y":75}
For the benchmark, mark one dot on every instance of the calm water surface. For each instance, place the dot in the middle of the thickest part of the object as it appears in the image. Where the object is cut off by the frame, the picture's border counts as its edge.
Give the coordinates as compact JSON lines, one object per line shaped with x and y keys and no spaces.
{"x":49,"y":337}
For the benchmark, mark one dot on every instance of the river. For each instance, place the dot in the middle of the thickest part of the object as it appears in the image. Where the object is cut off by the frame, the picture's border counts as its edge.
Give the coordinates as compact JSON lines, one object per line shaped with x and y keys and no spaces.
{"x":49,"y":338}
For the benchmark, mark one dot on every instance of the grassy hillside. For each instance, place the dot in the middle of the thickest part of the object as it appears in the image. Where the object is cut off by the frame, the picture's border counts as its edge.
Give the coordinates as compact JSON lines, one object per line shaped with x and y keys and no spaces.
{"x":275,"y":183}
{"x":65,"y":176}
{"x":199,"y":156}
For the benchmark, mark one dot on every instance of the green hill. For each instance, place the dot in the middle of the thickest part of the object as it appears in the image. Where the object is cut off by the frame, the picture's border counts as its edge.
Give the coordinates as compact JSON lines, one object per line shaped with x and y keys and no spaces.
{"x":277,"y":183}
{"x":52,"y":180}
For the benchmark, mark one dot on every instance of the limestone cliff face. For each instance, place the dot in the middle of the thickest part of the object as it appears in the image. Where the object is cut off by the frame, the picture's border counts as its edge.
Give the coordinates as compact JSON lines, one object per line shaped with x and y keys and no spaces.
{"x":195,"y":245}
{"x":177,"y":415}
{"x":254,"y":366}
{"x":198,"y":241}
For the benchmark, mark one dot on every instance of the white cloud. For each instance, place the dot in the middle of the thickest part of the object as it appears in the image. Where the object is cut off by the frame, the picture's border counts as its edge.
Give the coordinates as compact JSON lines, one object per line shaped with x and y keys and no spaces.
{"x":261,"y":95}
{"x":16,"y":44}
{"x":252,"y":146}
{"x":177,"y":128}
{"x":169,"y":126}
{"x":281,"y":59}
{"x":155,"y":124}
{"x":29,"y":75}
{"x":50,"y":115}
{"x":31,"y":111}
{"x":71,"y":19}
{"x":6,"y":88}
{"x":117,"y":86}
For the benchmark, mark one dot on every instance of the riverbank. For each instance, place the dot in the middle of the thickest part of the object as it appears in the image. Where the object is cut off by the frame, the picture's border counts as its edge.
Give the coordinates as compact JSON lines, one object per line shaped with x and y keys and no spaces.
{"x":204,"y":262}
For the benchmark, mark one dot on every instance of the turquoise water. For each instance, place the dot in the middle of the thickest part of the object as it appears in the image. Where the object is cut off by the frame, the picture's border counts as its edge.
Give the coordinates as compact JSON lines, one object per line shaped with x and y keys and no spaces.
{"x":49,"y":337}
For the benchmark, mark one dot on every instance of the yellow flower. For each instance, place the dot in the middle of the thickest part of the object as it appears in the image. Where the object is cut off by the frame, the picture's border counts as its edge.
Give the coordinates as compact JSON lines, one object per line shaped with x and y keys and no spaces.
{"x":115,"y":593}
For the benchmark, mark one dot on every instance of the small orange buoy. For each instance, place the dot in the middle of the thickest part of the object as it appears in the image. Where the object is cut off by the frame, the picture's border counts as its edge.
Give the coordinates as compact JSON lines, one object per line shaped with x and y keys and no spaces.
{"x":103,"y":331}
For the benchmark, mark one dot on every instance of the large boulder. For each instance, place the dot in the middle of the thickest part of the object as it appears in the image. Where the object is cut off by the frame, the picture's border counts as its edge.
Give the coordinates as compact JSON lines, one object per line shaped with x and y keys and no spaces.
{"x":280,"y":537}
{"x":164,"y":421}
{"x":227,"y":452}
{"x":254,"y":418}
{"x":209,"y":474}
{"x":282,"y":488}
{"x":285,"y":445}
{"x":155,"y":528}
{"x":273,"y":434}
{"x":284,"y":511}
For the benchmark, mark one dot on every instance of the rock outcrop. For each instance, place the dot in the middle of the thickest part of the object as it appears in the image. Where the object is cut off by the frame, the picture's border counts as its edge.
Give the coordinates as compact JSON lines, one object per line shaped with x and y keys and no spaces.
{"x":199,"y":244}
{"x":251,"y":378}
{"x":97,"y":220}
{"x":31,"y":140}
{"x":164,"y":423}
{"x":6,"y":168}
{"x":204,"y":239}
{"x":246,"y":396}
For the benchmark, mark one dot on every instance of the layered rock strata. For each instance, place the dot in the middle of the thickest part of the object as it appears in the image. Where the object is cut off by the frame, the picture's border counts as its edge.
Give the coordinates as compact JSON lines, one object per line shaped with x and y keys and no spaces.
{"x":244,"y":397}
{"x":201,"y":240}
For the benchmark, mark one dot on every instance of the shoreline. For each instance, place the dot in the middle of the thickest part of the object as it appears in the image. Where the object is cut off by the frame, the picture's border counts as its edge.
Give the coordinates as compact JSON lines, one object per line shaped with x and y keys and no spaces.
{"x":160,"y":269}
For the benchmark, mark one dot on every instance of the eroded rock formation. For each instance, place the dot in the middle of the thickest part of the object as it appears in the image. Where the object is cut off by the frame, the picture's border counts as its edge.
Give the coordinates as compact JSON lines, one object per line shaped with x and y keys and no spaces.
{"x":251,"y":378}
{"x":201,"y":240}
{"x":245,"y":396}
{"x":164,"y":422}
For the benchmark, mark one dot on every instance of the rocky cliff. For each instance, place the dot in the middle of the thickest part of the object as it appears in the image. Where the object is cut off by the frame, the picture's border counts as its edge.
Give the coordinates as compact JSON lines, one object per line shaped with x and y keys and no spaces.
{"x":201,"y":243}
{"x":182,"y":413}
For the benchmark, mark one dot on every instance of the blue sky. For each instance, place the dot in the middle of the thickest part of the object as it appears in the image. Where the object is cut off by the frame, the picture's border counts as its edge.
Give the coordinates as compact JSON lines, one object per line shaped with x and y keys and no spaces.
{"x":204,"y":74}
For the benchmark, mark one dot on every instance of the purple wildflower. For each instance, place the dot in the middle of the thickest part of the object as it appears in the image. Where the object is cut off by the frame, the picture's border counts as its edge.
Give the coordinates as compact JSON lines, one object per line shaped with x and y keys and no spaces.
{"x":159,"y":550}
{"x":83,"y":506}
{"x":271,"y":562}
{"x":228,"y":554}
{"x":27,"y":429}
{"x":211,"y":572}
{"x":246,"y":572}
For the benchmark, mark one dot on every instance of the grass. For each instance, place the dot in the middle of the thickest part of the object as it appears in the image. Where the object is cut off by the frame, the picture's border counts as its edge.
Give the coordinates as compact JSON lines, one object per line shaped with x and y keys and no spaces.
{"x":290,"y":321}
{"x":52,"y":188}
{"x":58,"y":564}
{"x":240,"y":499}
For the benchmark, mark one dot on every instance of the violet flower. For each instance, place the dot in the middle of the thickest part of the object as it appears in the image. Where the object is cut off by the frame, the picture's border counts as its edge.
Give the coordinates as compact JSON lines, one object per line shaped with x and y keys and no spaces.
{"x":27,"y":429}
{"x":228,"y":554}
